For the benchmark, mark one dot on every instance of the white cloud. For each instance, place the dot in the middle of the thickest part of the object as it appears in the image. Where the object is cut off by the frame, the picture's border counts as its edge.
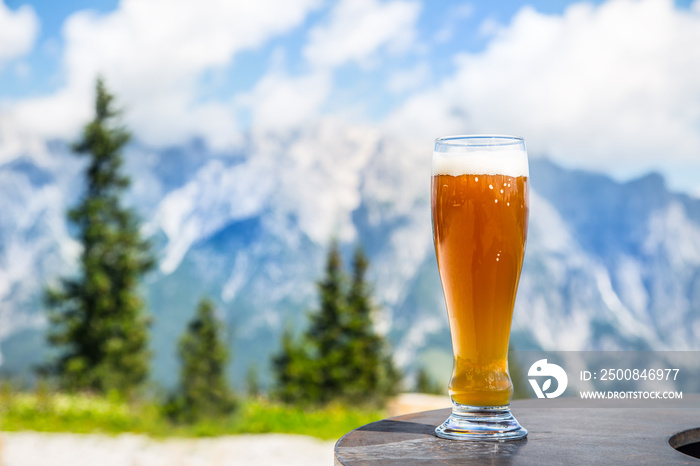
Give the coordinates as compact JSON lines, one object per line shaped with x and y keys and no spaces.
{"x":614,"y":87}
{"x":280,"y":102}
{"x":18,"y":31}
{"x":409,"y":79}
{"x":153,"y":55}
{"x":357,"y":29}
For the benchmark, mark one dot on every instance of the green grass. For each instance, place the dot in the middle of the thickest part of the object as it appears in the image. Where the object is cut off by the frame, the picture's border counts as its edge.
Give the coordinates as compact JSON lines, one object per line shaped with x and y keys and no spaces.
{"x":58,"y":412}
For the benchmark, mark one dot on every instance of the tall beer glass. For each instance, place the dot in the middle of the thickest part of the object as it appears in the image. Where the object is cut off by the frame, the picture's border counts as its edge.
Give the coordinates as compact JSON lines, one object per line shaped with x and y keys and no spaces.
{"x":480,"y":214}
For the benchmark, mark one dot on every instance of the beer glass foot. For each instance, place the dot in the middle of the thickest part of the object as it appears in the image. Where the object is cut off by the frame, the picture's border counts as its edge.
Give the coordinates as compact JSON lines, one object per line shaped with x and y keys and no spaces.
{"x":481,"y":423}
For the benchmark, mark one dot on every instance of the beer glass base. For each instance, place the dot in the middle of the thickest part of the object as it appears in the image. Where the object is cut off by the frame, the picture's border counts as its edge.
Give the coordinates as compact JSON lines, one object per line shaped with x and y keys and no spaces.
{"x":481,"y":423}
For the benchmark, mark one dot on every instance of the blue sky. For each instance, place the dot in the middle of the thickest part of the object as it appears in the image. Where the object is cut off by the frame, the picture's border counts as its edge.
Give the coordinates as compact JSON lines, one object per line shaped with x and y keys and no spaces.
{"x":612,"y":86}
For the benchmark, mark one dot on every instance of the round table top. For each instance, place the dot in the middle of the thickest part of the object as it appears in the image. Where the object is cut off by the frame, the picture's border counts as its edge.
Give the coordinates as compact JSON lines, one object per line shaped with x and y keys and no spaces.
{"x":555,"y":436}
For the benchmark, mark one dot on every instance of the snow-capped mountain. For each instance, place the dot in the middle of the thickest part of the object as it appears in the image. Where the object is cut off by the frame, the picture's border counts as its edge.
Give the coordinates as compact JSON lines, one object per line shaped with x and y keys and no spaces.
{"x":608,"y":264}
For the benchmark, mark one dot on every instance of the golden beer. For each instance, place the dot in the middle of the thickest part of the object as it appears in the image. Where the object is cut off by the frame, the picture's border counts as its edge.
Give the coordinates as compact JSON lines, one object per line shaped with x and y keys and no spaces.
{"x":479,"y":228}
{"x":480,"y":214}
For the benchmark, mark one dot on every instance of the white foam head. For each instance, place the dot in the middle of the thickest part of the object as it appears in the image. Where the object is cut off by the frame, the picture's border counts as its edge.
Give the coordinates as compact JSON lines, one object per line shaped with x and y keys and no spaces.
{"x":480,"y":155}
{"x":508,"y":162}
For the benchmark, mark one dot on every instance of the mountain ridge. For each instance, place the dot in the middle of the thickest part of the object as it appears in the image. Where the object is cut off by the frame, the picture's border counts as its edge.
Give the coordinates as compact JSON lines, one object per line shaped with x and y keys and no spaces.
{"x":609,"y":265}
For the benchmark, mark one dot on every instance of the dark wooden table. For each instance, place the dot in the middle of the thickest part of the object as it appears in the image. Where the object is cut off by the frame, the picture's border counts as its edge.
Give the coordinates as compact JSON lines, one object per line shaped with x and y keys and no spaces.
{"x":555,"y":436}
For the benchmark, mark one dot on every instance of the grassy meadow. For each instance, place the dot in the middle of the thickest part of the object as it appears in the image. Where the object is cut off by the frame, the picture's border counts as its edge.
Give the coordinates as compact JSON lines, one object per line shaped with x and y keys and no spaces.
{"x":60,"y":412}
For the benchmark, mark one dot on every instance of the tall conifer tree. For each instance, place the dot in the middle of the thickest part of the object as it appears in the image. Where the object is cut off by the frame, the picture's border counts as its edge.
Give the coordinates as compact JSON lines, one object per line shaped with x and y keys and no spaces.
{"x":203,"y":390}
{"x":340,"y":356}
{"x":327,"y":335}
{"x":373,"y":367}
{"x":297,"y":374}
{"x":425,"y":384}
{"x":99,"y":324}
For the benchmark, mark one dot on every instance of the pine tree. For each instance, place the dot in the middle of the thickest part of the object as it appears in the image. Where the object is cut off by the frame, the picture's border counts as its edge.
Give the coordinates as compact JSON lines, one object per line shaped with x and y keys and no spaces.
{"x":373,"y":370}
{"x":297,"y":375}
{"x":311,"y":370}
{"x":340,"y":356}
{"x":328,"y":334}
{"x":425,"y":384}
{"x":99,"y":324}
{"x":202,"y":391}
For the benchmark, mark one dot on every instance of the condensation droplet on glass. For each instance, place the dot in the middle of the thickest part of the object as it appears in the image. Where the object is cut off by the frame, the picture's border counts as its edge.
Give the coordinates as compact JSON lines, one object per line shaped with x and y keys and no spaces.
{"x":496,"y":200}
{"x":476,"y":178}
{"x":490,"y":186}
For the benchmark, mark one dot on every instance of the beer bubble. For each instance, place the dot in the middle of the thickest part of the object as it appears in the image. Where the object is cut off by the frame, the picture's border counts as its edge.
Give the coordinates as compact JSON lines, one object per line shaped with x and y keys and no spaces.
{"x":496,"y":201}
{"x":490,"y":186}
{"x":476,"y":178}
